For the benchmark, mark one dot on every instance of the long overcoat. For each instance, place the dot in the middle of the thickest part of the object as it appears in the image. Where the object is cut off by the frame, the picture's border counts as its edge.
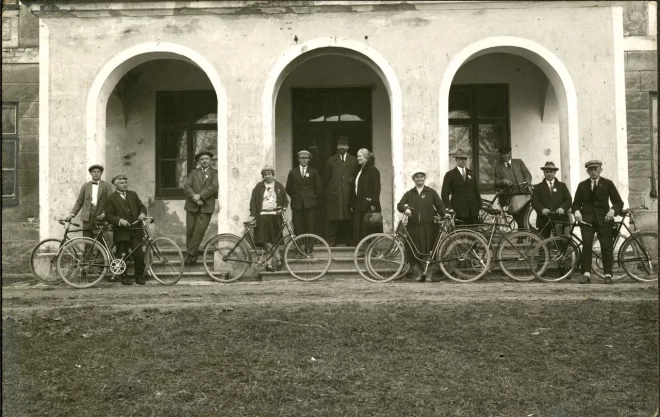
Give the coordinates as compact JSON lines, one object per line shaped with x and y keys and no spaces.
{"x":340,"y":181}
{"x":465,"y":197}
{"x":368,"y":188}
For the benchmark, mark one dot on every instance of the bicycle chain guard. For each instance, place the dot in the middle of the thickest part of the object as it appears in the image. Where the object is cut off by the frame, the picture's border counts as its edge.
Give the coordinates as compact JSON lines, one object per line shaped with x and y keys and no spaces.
{"x":117,"y":266}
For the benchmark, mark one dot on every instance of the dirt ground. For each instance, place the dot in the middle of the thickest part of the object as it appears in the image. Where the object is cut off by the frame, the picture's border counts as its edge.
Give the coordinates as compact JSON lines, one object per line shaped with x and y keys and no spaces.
{"x":29,"y":297}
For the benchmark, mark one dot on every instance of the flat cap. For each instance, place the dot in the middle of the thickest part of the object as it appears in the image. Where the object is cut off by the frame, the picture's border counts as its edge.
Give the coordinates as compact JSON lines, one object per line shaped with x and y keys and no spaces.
{"x":119,"y":177}
{"x":343,"y":139}
{"x":593,"y":163}
{"x":267,"y":168}
{"x":203,"y":153}
{"x":96,"y":166}
{"x":304,"y":153}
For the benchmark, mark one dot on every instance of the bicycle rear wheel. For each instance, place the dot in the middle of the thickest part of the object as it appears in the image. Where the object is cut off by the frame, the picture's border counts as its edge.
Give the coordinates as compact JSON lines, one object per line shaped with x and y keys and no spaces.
{"x":359,"y":256}
{"x":506,"y":225}
{"x":559,"y":259}
{"x":639,"y":256}
{"x":385,"y":258}
{"x":307,"y":257}
{"x":43,"y":261}
{"x":220,"y":264}
{"x":164,"y":260}
{"x":82,"y":262}
{"x":465,"y":256}
{"x":514,"y":253}
{"x":598,"y":267}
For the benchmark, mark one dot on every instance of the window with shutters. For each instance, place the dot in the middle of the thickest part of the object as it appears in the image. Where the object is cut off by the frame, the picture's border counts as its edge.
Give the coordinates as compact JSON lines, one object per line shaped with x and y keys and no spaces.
{"x":9,"y":154}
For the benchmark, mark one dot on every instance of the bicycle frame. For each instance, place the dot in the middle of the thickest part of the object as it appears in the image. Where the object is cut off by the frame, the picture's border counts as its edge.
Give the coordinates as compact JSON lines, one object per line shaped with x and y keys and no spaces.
{"x":102,"y":239}
{"x":428,"y":259}
{"x":494,"y":228}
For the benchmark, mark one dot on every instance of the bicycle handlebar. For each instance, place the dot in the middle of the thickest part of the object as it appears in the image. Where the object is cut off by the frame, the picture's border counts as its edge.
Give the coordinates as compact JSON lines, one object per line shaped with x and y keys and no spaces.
{"x":62,"y":221}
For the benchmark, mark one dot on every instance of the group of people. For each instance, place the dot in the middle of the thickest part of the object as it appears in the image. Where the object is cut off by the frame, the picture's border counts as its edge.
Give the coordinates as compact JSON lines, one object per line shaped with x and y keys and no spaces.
{"x":352,"y":199}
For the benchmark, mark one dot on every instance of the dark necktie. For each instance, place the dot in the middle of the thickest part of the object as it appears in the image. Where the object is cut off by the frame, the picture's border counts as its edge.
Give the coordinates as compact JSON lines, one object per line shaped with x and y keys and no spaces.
{"x":508,"y":165}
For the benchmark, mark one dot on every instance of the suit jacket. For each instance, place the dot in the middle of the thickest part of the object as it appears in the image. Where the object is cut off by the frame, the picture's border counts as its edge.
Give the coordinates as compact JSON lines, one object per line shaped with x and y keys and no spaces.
{"x":84,"y":200}
{"x":542,"y":198}
{"x":257,"y":198}
{"x":368,"y":188}
{"x":207,"y":188}
{"x":465,"y":196}
{"x":339,"y":184}
{"x":425,"y":206}
{"x":595,"y":206}
{"x":518,"y":173}
{"x":114,"y":211}
{"x":304,"y":191}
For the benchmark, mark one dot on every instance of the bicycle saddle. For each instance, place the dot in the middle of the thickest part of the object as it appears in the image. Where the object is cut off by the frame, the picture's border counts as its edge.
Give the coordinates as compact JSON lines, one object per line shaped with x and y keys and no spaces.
{"x":491,"y":210}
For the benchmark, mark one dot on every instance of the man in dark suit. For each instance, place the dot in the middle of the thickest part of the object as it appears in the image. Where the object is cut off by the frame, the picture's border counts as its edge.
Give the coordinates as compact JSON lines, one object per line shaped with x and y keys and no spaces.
{"x":591,"y":205}
{"x":304,"y":186}
{"x":339,"y":178}
{"x":123,"y":208}
{"x":462,"y":185}
{"x":550,"y":195}
{"x":91,"y":201}
{"x":201,"y":190}
{"x":509,"y":173}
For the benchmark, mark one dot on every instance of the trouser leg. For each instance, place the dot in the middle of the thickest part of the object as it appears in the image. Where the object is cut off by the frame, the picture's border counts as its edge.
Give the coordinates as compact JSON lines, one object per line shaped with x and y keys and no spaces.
{"x":587,"y":243}
{"x":606,"y":250}
{"x":138,"y":256}
{"x":298,"y":227}
{"x":191,"y":218}
{"x":310,"y":220}
{"x":201,"y":223}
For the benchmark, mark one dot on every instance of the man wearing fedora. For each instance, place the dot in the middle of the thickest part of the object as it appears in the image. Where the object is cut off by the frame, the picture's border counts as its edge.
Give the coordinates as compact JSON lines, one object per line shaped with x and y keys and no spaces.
{"x":122,"y":209}
{"x":508,"y":174}
{"x":550,"y":195}
{"x":461,"y":184}
{"x":201,"y":190}
{"x":592,"y":206}
{"x":304,"y":186}
{"x":91,"y":200}
{"x":339,"y":178}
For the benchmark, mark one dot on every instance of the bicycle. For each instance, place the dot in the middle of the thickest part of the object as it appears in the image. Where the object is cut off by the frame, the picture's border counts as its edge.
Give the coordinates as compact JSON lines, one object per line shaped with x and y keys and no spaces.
{"x":83,"y":262}
{"x":43,"y":256}
{"x":226,"y":256}
{"x":510,"y":224}
{"x":637,"y":254}
{"x":385,"y":254}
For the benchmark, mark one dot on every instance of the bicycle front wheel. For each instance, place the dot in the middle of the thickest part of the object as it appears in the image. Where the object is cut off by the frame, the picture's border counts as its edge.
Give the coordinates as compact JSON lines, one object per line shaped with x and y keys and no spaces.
{"x":385,"y":258}
{"x":82,"y":262}
{"x":307,"y":257}
{"x":639,"y":256}
{"x":164,"y":260}
{"x":514,"y":253}
{"x":555,"y":259}
{"x":43,"y":261}
{"x":359,"y":256}
{"x":224,"y":259}
{"x":465,"y":256}
{"x":598,"y":266}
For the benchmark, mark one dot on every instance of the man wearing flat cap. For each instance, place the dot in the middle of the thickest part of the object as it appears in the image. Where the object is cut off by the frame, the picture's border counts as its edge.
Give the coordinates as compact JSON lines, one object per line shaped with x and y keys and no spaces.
{"x":508,"y":174}
{"x":304,"y":186}
{"x":91,"y":200}
{"x":461,"y":184}
{"x":592,"y":205}
{"x":550,"y":195}
{"x":122,"y":209}
{"x":339,"y":179}
{"x":201,"y":190}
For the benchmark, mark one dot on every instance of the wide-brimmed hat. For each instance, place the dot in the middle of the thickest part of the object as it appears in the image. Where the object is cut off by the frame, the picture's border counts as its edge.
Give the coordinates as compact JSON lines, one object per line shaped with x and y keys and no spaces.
{"x":203,"y":153}
{"x":504,"y":149}
{"x":343,"y":139}
{"x":593,"y":163}
{"x":460,"y":153}
{"x":304,"y":153}
{"x":549,"y":166}
{"x":372,"y":219}
{"x":95,"y":166}
{"x":267,"y":168}
{"x":119,"y":177}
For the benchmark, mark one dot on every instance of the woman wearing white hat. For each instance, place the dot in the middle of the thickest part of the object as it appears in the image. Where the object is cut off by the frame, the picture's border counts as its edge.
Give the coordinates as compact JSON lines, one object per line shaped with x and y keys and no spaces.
{"x":267,"y":195}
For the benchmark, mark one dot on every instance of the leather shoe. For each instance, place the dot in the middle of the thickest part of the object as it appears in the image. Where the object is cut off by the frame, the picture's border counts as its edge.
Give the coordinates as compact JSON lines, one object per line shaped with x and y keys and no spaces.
{"x":140,"y":280}
{"x":193,"y":260}
{"x":332,"y":243}
{"x":126,"y":281}
{"x":585,"y":279}
{"x":608,"y":279}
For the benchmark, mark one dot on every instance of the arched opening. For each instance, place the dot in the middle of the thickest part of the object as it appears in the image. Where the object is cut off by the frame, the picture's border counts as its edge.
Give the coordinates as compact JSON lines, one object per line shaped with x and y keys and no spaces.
{"x":150,"y":110}
{"x":355,"y":94}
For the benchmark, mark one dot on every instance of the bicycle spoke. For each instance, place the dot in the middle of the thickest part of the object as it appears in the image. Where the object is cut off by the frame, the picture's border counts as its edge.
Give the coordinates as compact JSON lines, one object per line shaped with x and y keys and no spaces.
{"x":307,"y":257}
{"x":639,"y":257}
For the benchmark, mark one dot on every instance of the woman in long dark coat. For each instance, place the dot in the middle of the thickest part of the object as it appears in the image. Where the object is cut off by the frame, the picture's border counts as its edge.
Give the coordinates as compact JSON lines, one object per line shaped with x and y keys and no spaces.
{"x":367,"y":195}
{"x":421,"y":204}
{"x":267,"y":195}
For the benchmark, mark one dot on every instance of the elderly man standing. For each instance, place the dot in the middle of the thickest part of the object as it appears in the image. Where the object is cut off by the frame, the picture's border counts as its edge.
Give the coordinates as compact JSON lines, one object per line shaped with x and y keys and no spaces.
{"x":592,"y":205}
{"x":550,"y":195}
{"x":201,"y":190}
{"x":509,"y":173}
{"x":122,"y":209}
{"x":91,"y":200}
{"x":462,"y":185}
{"x":304,"y":186}
{"x":339,"y":178}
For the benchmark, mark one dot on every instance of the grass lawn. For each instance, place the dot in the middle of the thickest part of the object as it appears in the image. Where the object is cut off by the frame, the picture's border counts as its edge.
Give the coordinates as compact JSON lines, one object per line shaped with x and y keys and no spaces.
{"x":588,"y":358}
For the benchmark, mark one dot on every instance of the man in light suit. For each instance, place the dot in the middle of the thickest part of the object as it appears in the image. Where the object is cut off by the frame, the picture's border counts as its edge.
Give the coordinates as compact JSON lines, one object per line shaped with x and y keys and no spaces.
{"x":339,"y":182}
{"x":304,"y":186}
{"x":123,"y":208}
{"x":201,"y":190}
{"x":550,"y":195}
{"x":509,"y":173}
{"x":592,"y":205}
{"x":91,"y":200}
{"x":462,"y":185}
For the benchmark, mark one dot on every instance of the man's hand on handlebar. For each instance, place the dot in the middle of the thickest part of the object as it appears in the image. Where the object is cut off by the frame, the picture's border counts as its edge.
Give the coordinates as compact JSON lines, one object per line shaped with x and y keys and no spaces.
{"x":609,"y":216}
{"x":560,"y":211}
{"x":68,"y":218}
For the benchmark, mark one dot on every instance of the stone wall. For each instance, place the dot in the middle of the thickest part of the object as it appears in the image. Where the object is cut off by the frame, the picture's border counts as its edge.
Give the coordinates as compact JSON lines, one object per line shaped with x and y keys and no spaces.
{"x":20,"y":83}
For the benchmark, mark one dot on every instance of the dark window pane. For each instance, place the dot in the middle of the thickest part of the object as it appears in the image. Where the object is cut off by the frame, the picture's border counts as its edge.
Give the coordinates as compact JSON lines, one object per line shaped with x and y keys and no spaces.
{"x":173,"y":145}
{"x":354,"y":108}
{"x":168,"y":174}
{"x":492,"y":102}
{"x":9,"y":155}
{"x":9,"y":118}
{"x":203,"y":105}
{"x":171,"y":109}
{"x":491,"y":137}
{"x":8,"y":183}
{"x":331,"y":108}
{"x":311,"y":109}
{"x":459,"y":138}
{"x":460,"y":104}
{"x":207,"y":140}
